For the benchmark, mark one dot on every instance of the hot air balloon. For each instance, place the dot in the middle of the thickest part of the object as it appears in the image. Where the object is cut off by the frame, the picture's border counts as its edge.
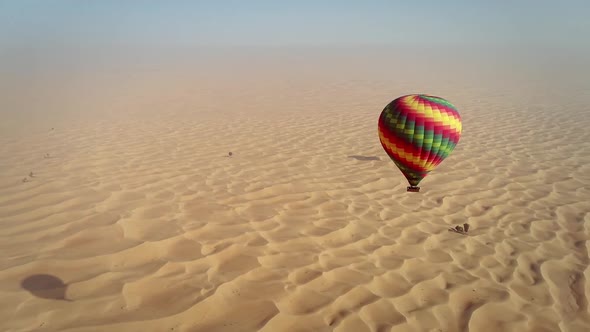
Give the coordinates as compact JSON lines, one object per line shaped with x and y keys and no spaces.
{"x":418,"y":132}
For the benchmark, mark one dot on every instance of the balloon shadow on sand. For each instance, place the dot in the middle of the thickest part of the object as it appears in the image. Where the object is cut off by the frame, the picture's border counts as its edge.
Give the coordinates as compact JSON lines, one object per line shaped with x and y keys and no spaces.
{"x":45,"y":286}
{"x":365,"y":158}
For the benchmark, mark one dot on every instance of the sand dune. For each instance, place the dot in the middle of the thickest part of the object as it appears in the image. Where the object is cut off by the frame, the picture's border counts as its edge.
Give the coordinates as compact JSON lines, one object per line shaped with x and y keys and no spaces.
{"x":140,"y":221}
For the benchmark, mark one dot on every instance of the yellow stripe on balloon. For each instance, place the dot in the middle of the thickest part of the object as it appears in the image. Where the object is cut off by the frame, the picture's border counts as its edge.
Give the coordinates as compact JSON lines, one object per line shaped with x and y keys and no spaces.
{"x":446,"y":118}
{"x":436,"y":115}
{"x":420,"y":108}
{"x":442,"y":116}
{"x":455,"y":123}
{"x":428,"y":112}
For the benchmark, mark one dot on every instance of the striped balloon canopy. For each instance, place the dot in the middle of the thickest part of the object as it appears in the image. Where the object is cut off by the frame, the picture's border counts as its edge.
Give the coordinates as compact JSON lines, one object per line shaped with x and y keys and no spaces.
{"x":418,"y":132}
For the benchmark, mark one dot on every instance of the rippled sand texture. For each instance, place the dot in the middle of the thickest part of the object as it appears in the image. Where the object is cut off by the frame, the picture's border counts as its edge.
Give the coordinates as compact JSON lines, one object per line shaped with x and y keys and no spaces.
{"x":139,"y":221}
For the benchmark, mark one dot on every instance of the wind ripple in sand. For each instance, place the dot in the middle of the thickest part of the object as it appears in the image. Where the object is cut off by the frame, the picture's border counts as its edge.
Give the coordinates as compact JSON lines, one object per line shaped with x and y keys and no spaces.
{"x":307,"y":226}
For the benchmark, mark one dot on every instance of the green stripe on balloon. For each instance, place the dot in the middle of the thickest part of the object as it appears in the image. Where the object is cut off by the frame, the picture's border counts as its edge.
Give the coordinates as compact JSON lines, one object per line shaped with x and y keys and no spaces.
{"x":435,"y":147}
{"x":440,"y":102}
{"x":409,"y":129}
{"x":390,"y":118}
{"x":436,"y":138}
{"x":402,"y":119}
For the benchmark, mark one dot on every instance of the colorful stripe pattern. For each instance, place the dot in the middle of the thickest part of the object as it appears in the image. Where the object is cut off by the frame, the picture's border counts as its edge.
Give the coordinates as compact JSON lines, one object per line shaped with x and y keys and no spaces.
{"x":418,"y":132}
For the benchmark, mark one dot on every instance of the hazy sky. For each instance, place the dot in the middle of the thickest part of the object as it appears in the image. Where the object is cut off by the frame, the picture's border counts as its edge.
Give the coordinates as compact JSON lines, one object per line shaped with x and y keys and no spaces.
{"x":256,"y":22}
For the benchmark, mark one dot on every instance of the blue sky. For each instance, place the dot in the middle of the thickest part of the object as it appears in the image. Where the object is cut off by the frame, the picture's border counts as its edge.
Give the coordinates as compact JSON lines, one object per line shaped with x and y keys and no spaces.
{"x":256,"y":22}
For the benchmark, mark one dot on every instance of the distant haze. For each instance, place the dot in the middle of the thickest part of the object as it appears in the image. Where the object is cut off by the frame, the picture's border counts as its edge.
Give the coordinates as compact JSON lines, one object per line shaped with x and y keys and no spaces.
{"x":71,"y":56}
{"x":61,"y":23}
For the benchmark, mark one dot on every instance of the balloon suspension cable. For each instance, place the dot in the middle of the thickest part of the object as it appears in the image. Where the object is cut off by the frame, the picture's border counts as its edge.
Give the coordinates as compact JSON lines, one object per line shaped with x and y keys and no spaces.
{"x":413,"y":189}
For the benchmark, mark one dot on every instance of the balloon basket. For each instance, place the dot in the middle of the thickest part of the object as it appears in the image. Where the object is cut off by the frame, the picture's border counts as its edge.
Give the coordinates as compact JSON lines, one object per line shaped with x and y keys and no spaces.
{"x":413,"y":189}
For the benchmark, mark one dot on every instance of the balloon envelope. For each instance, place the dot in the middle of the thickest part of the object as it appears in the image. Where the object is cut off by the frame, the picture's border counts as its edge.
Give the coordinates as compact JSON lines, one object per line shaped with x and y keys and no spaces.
{"x":418,"y":132}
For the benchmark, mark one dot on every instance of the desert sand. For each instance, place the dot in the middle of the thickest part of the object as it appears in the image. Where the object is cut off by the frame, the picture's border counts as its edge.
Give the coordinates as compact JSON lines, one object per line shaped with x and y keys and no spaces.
{"x":136,"y":218}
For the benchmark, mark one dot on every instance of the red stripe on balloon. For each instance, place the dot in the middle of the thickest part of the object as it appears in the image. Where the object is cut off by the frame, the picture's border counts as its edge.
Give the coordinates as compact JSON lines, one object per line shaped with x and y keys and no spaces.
{"x":408,"y":148}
